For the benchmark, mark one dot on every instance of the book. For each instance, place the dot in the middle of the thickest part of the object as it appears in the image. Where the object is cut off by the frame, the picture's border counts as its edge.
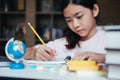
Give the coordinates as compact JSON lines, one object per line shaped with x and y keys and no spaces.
{"x":114,"y":72}
{"x":46,"y":5}
{"x":21,"y":5}
{"x":4,"y":61}
{"x":113,"y":57}
{"x":113,"y":41}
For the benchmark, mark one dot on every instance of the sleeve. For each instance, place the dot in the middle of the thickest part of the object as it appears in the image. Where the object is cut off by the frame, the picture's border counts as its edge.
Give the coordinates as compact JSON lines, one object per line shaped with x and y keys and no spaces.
{"x":103,"y":42}
{"x":36,"y":46}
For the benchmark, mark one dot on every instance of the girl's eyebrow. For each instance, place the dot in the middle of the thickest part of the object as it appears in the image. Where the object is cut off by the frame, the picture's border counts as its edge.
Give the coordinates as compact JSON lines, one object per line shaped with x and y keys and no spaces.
{"x":75,"y":14}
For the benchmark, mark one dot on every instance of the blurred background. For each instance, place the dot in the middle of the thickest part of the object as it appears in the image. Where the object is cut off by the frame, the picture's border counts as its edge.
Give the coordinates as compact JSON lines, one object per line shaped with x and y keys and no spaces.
{"x":46,"y":18}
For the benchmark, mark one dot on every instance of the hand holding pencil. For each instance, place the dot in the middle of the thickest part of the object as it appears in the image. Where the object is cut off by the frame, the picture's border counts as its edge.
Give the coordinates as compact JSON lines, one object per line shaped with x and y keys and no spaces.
{"x":43,"y":52}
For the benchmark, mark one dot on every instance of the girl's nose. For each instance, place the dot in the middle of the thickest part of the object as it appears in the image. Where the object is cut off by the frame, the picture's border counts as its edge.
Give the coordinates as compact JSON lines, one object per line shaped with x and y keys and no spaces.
{"x":75,"y":23}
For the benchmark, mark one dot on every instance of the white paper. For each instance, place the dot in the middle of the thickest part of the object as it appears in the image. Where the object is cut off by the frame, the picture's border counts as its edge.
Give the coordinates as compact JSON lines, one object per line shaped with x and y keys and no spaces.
{"x":43,"y":62}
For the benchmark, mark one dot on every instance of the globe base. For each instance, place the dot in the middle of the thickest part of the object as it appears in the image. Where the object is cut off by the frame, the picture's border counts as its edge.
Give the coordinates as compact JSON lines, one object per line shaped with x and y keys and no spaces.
{"x":16,"y":65}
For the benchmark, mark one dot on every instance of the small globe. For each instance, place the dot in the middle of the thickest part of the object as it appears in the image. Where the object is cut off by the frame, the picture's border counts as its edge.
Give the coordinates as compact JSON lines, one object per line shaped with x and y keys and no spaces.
{"x":15,"y":51}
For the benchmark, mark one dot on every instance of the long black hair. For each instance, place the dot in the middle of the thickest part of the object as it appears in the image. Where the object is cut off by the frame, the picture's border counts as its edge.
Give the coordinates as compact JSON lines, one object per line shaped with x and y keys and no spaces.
{"x":71,"y":37}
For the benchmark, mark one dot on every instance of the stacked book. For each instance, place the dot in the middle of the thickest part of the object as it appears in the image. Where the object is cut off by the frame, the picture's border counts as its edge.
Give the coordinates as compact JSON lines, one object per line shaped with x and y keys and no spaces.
{"x":113,"y":55}
{"x":113,"y":64}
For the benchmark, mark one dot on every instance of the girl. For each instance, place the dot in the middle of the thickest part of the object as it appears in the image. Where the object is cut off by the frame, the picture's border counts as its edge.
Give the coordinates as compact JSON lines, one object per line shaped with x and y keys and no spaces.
{"x":81,"y":41}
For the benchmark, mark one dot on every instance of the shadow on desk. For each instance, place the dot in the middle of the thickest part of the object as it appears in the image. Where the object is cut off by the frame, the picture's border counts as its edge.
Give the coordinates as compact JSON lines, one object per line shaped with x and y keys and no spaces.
{"x":7,"y":78}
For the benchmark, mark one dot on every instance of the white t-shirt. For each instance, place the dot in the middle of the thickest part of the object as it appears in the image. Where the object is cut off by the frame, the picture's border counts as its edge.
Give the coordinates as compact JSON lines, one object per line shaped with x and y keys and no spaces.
{"x":95,"y":44}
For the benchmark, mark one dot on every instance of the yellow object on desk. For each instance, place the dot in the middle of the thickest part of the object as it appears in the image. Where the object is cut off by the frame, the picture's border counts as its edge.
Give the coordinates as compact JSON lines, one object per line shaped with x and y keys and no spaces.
{"x":36,"y":34}
{"x":81,"y":62}
{"x":75,"y":65}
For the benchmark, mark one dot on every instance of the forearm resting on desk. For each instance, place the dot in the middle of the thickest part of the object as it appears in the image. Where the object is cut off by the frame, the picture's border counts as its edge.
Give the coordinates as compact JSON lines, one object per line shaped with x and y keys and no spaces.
{"x":98,"y":57}
{"x":30,"y":53}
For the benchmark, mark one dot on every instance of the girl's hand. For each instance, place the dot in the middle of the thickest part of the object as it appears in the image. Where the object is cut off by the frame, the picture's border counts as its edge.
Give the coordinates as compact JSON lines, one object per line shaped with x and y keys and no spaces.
{"x":99,"y":58}
{"x":42,"y":53}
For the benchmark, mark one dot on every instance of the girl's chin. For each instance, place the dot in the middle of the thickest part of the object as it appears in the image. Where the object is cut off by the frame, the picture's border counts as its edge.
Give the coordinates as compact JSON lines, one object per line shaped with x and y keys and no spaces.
{"x":82,"y":35}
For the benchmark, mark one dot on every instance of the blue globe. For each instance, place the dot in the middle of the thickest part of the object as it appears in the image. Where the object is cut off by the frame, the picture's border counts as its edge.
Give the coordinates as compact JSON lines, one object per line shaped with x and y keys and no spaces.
{"x":15,"y":49}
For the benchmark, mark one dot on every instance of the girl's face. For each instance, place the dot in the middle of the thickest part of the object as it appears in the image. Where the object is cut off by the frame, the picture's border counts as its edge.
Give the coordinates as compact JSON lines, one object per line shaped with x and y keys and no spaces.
{"x":81,"y":20}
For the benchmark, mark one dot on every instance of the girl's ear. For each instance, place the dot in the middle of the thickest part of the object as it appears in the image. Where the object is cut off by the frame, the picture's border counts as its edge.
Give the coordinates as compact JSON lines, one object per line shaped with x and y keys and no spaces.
{"x":95,"y":10}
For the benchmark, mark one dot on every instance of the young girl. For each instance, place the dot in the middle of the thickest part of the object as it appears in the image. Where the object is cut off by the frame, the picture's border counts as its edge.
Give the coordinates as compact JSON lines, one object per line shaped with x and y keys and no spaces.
{"x":81,"y":41}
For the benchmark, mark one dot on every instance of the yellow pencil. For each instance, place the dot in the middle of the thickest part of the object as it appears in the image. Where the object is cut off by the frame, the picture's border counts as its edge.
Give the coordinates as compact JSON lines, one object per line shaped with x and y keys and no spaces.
{"x":36,"y":33}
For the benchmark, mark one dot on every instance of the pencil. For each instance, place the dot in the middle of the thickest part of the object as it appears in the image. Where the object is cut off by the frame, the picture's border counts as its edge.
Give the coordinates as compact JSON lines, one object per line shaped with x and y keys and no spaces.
{"x":41,"y":40}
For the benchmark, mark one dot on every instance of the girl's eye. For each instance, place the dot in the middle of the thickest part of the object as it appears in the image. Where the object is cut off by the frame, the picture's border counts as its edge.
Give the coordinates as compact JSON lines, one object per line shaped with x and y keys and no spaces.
{"x":79,"y":17}
{"x":68,"y":20}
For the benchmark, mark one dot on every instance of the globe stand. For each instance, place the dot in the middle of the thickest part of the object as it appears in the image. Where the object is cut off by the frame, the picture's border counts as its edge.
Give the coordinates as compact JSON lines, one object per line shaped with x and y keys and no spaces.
{"x":17,"y":65}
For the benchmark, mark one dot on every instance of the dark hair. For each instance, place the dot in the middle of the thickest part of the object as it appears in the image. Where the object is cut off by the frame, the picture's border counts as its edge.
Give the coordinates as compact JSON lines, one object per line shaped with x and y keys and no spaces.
{"x":71,"y":37}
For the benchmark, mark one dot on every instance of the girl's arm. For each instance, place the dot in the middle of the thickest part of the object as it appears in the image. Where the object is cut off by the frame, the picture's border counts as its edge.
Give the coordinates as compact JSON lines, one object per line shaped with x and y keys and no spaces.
{"x":30,"y":53}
